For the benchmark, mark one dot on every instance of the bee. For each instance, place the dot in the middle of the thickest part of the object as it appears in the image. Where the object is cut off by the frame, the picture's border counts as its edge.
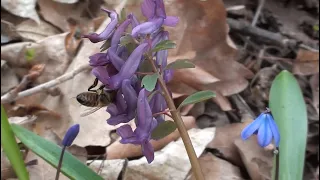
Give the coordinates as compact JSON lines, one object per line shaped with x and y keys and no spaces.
{"x":95,"y":98}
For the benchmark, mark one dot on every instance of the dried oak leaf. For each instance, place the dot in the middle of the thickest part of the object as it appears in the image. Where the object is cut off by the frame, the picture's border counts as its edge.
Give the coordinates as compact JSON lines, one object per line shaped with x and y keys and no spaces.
{"x":306,"y":63}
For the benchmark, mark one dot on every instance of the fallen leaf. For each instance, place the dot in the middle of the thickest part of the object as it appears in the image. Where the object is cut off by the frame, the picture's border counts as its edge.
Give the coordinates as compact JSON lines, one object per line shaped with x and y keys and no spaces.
{"x":108,"y":169}
{"x":8,"y":32}
{"x":314,"y":83}
{"x":224,"y":141}
{"x":257,"y":161}
{"x":172,"y":161}
{"x":306,"y":63}
{"x":22,"y":8}
{"x":9,"y":79}
{"x":58,"y":13}
{"x":215,"y":168}
{"x":31,"y":31}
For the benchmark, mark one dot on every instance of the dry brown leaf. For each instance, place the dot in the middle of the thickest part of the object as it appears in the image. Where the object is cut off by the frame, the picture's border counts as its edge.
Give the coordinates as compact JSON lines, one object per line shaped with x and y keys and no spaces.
{"x":122,"y":151}
{"x":314,"y":83}
{"x":306,"y":63}
{"x":31,"y":31}
{"x":58,"y":13}
{"x":22,"y":8}
{"x":224,"y":141}
{"x":257,"y":161}
{"x":9,"y":79}
{"x":215,"y":168}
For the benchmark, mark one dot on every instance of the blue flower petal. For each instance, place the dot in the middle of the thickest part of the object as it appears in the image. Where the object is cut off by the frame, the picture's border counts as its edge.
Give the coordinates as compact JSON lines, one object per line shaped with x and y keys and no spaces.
{"x":254,"y":126}
{"x":264,"y":133}
{"x":274,"y":129}
{"x":148,"y":151}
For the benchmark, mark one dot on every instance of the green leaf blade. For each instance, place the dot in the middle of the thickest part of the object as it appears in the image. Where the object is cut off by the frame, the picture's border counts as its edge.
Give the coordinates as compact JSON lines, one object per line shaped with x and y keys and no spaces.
{"x":197,"y":97}
{"x":50,"y":152}
{"x":164,"y":45}
{"x":150,"y":81}
{"x":11,"y":148}
{"x":163,"y":129}
{"x":289,"y":111}
{"x":181,"y":64}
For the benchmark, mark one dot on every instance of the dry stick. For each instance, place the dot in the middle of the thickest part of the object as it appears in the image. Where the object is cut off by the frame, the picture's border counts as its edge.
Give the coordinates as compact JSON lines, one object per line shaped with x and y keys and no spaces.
{"x":181,"y":127}
{"x":9,"y":97}
{"x":255,"y":19}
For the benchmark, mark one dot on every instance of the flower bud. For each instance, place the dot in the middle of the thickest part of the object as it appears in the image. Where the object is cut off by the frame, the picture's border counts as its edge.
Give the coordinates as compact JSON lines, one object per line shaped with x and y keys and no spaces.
{"x":71,"y":135}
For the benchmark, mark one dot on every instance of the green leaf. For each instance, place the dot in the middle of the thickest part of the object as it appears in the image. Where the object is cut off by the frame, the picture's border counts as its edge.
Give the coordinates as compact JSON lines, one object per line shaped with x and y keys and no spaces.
{"x":150,"y":81}
{"x":126,"y":39}
{"x":289,"y":111}
{"x":105,"y":45}
{"x":197,"y":97}
{"x":30,"y":54}
{"x":123,"y":15}
{"x":50,"y":152}
{"x":163,"y":129}
{"x":316,"y":27}
{"x":181,"y":64}
{"x":11,"y":148}
{"x":163,"y":45}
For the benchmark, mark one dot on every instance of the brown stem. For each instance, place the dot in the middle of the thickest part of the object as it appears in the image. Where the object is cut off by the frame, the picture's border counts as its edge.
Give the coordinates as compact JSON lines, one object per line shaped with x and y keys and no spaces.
{"x":181,"y":127}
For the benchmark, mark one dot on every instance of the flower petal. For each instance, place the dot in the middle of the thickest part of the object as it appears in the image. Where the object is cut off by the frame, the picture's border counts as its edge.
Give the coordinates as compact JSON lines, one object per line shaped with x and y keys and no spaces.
{"x":264,"y":134}
{"x":147,"y":27}
{"x":115,"y":120}
{"x":107,"y":32}
{"x":171,"y":21}
{"x":168,"y":75}
{"x":118,"y":34}
{"x":125,"y":131}
{"x":254,"y":126}
{"x":112,"y":109}
{"x":274,"y":129}
{"x":120,"y":101}
{"x":160,"y":9}
{"x":115,"y":59}
{"x":99,"y":59}
{"x":148,"y":151}
{"x":102,"y":74}
{"x":148,"y":8}
{"x":129,"y":67}
{"x":144,"y":114}
{"x":134,"y":20}
{"x":131,"y":98}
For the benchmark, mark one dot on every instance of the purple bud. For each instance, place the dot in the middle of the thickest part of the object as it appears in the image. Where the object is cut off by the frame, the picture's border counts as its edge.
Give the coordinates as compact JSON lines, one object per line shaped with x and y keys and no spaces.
{"x":71,"y":135}
{"x":168,"y":75}
{"x":99,"y":59}
{"x":118,"y":34}
{"x":107,"y":32}
{"x":147,"y":27}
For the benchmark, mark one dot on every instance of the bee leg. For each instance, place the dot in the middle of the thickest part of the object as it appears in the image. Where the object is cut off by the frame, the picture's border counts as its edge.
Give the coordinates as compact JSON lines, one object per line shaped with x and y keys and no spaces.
{"x":95,"y":83}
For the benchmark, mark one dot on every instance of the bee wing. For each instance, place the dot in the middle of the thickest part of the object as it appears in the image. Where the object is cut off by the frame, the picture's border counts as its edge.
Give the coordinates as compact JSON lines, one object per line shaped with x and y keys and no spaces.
{"x":90,"y":111}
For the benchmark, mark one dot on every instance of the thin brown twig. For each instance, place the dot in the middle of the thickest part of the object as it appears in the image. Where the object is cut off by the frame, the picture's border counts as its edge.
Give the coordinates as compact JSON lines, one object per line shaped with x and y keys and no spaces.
{"x":9,"y":97}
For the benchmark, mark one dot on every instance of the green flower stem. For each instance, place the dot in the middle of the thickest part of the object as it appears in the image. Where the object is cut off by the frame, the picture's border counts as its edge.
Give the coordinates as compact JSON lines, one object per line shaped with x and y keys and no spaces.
{"x":11,"y":148}
{"x":181,"y":127}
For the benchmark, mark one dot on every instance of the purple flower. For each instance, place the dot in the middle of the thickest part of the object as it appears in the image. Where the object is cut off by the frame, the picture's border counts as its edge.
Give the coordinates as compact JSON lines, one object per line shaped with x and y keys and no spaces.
{"x":129,"y":67}
{"x":145,"y":124}
{"x":99,"y":59}
{"x":161,"y":57}
{"x":103,"y":73}
{"x":266,"y":128}
{"x":108,"y":31}
{"x":134,"y":20}
{"x":71,"y":135}
{"x":154,"y":10}
{"x":125,"y":108}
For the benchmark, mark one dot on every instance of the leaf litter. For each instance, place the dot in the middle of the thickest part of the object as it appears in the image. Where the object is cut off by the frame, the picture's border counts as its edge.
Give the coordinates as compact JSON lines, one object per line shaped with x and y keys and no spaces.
{"x":239,"y":70}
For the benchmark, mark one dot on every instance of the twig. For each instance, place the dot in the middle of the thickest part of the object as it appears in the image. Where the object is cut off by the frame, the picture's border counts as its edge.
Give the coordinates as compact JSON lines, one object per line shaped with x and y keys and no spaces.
{"x":258,"y":12}
{"x":9,"y":97}
{"x":272,"y":38}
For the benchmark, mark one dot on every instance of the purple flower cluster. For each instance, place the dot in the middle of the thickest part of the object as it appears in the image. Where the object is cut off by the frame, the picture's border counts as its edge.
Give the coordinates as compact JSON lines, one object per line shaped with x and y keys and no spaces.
{"x":117,"y":70}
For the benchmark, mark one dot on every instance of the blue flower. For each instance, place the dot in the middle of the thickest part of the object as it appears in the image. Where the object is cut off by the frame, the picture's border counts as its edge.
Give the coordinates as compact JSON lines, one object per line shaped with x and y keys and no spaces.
{"x":266,"y":129}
